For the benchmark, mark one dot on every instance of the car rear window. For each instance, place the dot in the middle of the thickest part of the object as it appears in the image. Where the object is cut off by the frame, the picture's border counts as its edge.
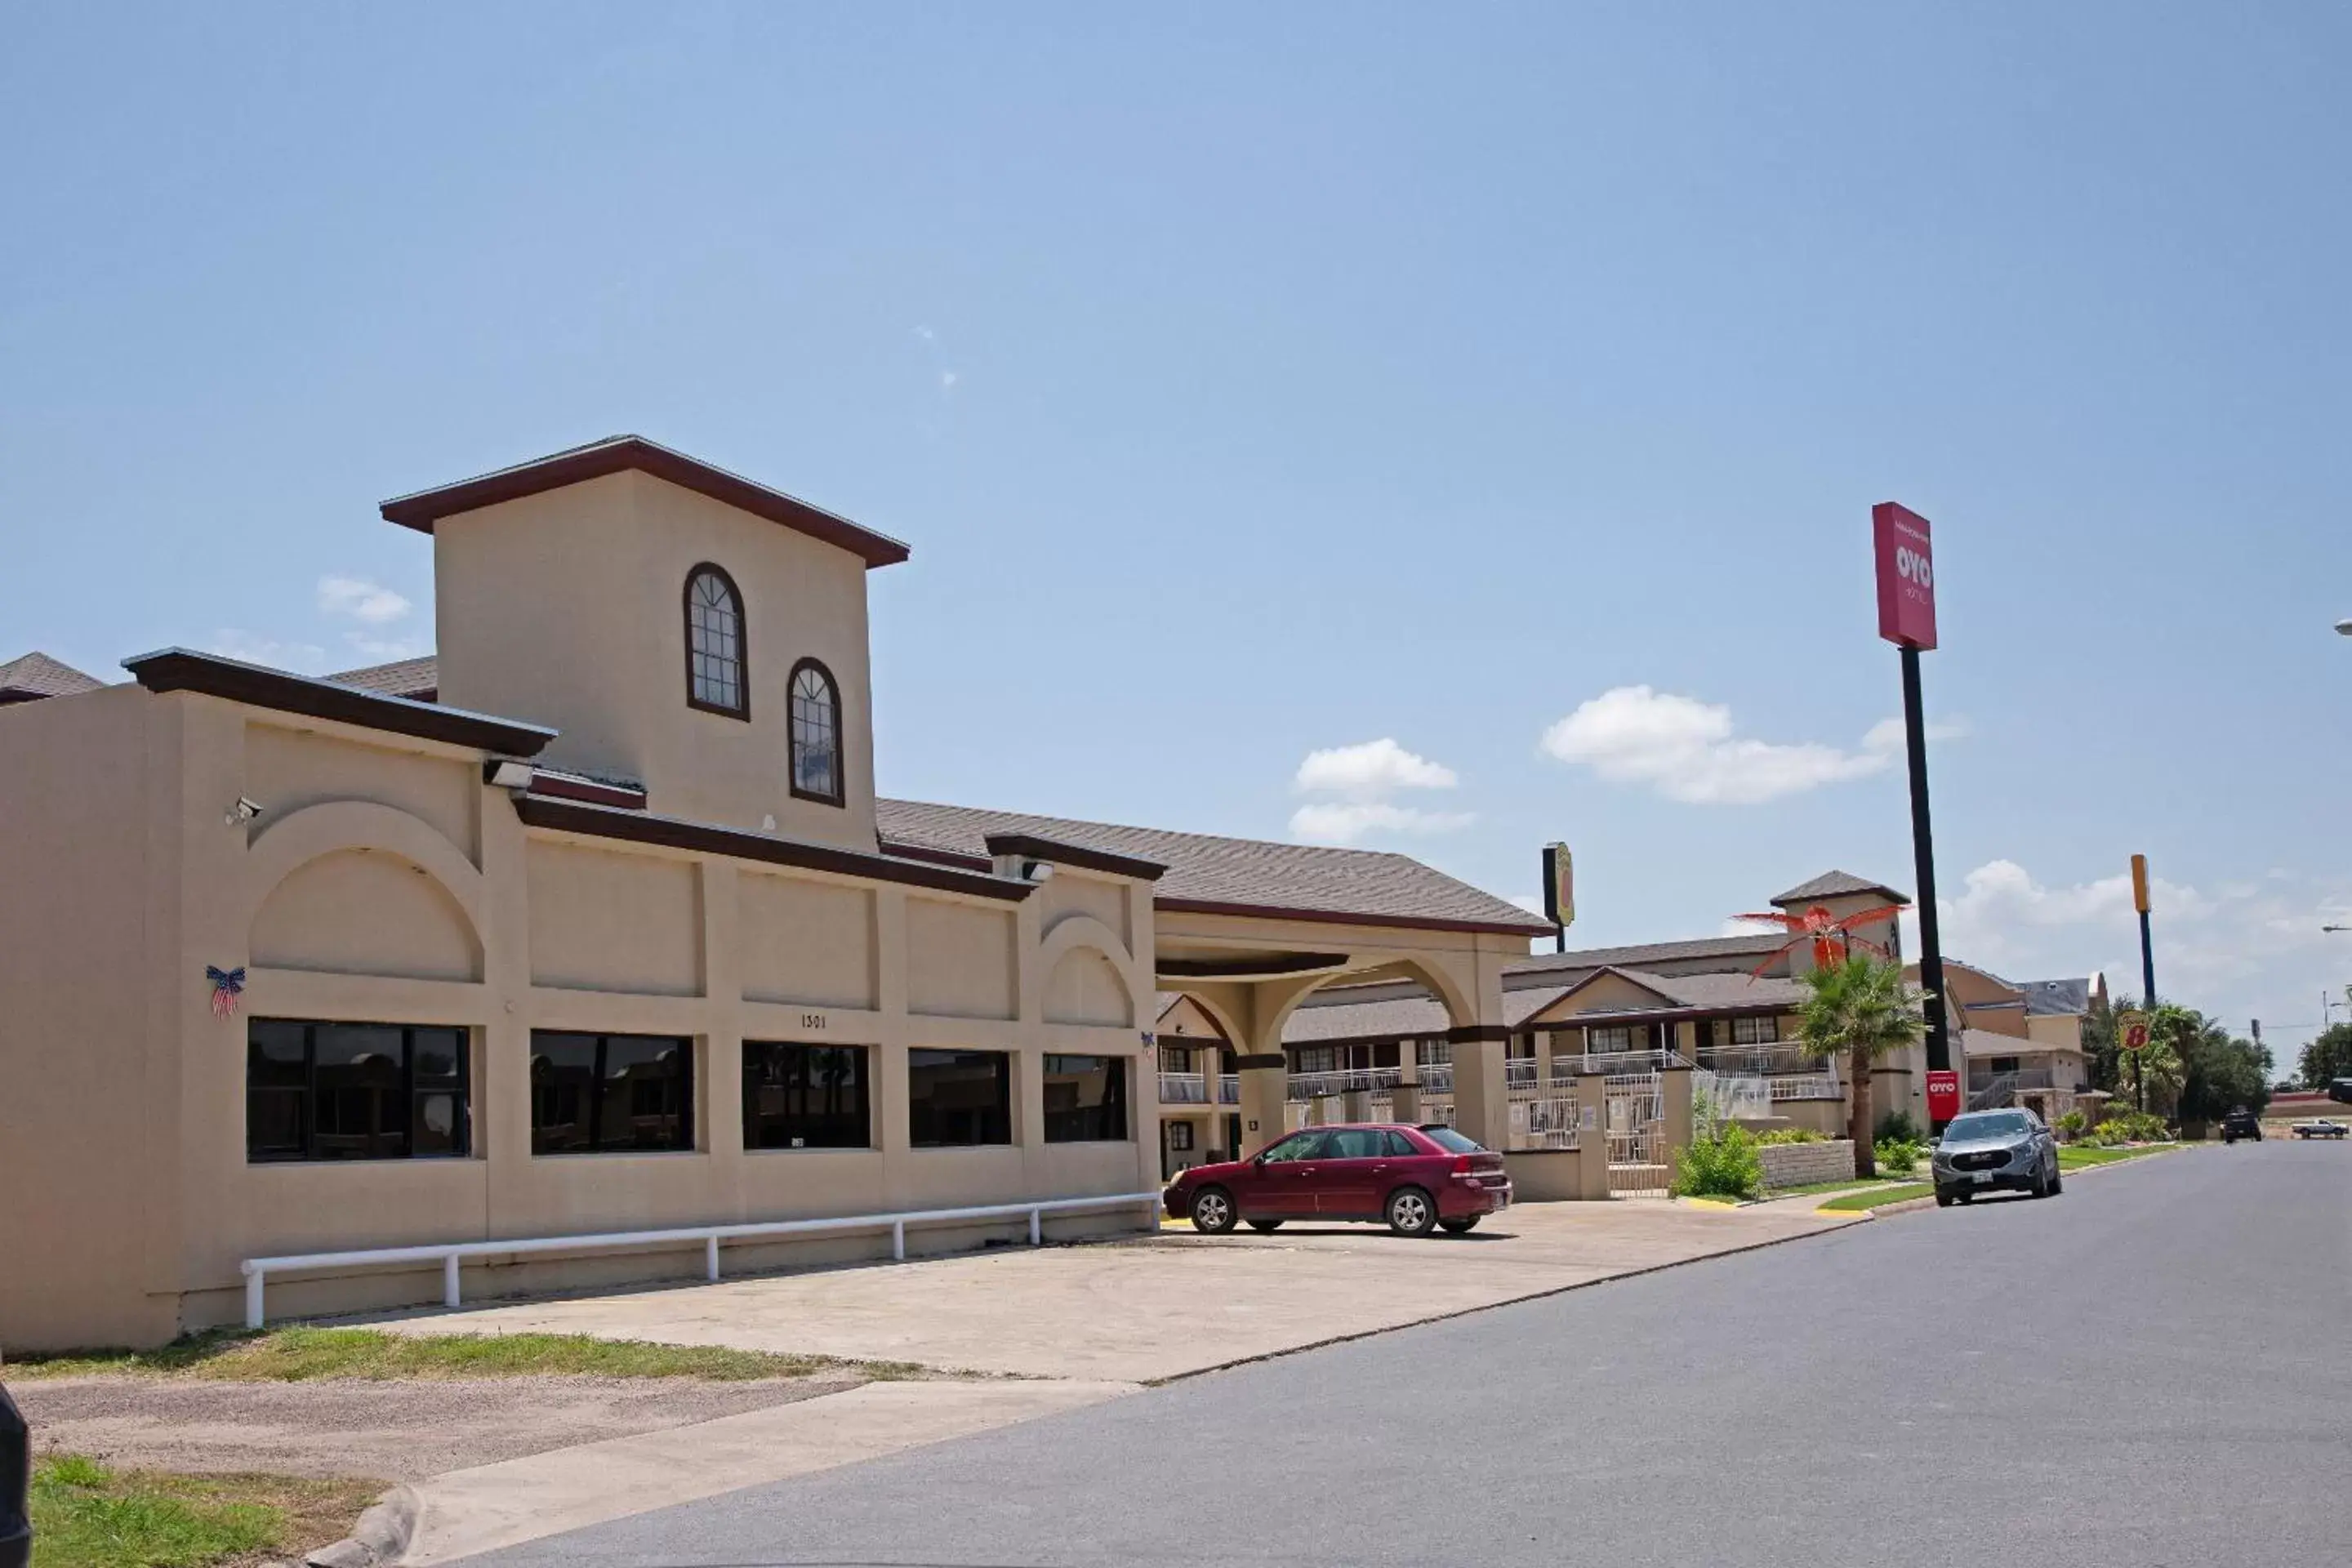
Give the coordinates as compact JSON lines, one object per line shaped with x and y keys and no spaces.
{"x":1450,"y":1141}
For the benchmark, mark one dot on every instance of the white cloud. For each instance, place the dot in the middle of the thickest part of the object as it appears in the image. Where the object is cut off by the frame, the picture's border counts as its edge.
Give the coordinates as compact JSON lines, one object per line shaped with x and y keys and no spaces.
{"x":1886,"y":735}
{"x":1362,"y":777}
{"x":307,"y":658}
{"x":1345,"y":822}
{"x":371,"y":602}
{"x":1685,"y":748}
{"x":1371,"y":770}
{"x":2240,"y":952}
{"x":927,"y":336}
{"x":947,"y":381}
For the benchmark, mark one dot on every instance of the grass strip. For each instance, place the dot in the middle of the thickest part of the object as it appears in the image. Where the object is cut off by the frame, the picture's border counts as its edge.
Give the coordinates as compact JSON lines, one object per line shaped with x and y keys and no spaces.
{"x":86,"y":1516}
{"x":304,"y":1354}
{"x":1848,"y":1184}
{"x":1879,"y":1197}
{"x":2076,"y":1156}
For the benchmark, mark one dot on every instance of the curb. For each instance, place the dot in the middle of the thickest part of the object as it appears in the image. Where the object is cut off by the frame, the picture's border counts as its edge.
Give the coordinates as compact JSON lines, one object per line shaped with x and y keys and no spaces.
{"x":381,"y":1537}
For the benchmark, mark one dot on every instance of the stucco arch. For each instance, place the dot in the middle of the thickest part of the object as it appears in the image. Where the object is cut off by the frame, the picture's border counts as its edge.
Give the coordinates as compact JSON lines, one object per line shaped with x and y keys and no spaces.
{"x":1074,"y":931}
{"x":1444,"y":986}
{"x":336,"y":826}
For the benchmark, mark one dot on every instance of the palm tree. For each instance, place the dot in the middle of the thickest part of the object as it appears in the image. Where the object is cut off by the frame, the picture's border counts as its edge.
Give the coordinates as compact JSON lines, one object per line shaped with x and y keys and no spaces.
{"x":1860,"y":1007}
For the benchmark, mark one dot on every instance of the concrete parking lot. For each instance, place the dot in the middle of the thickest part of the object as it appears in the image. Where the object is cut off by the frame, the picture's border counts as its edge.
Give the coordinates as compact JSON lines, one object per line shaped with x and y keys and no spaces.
{"x":1155,"y":1306}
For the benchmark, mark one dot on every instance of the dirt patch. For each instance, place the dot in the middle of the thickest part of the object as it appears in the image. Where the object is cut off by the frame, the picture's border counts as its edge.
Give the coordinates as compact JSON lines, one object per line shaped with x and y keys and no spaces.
{"x":399,"y":1430}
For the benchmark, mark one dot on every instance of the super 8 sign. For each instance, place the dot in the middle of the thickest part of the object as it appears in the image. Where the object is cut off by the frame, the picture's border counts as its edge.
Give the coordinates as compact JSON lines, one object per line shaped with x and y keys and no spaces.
{"x":2131,"y":1031}
{"x":1906,"y":576}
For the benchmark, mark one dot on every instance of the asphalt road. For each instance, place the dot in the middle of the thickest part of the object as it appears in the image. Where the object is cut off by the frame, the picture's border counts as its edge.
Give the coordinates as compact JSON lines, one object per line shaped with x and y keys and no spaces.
{"x":2149,"y":1370}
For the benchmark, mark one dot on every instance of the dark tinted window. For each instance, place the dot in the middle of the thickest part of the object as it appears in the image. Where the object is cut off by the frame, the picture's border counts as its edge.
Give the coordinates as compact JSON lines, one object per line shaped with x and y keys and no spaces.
{"x":1359,"y":1144}
{"x":1400,"y":1146}
{"x":806,"y":1097}
{"x":1085,"y":1100}
{"x":355,"y":1091}
{"x":959,"y":1099}
{"x":1450,"y":1141}
{"x":1297,"y":1146}
{"x":610,"y":1093}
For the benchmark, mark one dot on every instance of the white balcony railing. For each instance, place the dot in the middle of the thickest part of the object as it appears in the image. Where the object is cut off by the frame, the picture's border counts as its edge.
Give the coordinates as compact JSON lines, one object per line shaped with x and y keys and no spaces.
{"x":1184,"y":1088}
{"x":1347,"y":1080}
{"x":2022,"y":1078}
{"x":1229,"y":1088}
{"x":1806,"y":1086}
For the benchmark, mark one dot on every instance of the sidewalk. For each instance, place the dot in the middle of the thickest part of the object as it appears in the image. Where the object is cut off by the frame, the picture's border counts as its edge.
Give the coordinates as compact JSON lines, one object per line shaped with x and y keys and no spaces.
{"x":467,"y":1511}
{"x":1158,"y":1306}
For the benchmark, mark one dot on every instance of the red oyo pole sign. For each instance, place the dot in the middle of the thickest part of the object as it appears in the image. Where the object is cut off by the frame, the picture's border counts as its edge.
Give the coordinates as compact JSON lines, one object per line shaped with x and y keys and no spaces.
{"x":1906,"y":576}
{"x":1942,"y":1094}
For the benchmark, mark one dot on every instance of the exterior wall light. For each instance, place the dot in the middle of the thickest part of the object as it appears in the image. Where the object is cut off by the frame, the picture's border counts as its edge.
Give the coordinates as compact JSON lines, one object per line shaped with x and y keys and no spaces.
{"x":505,"y":772}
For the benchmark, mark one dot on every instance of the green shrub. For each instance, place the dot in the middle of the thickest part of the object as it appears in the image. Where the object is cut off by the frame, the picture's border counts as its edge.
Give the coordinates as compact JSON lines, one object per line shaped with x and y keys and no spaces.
{"x":1791,"y":1135}
{"x":1897,"y":1127}
{"x":1723,"y":1166}
{"x":2071,"y":1126}
{"x":1895,"y":1156}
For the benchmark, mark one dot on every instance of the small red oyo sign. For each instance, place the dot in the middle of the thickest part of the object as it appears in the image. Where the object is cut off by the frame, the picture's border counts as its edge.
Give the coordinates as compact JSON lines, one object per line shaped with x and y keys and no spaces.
{"x":1942,"y":1094}
{"x":1906,"y":576}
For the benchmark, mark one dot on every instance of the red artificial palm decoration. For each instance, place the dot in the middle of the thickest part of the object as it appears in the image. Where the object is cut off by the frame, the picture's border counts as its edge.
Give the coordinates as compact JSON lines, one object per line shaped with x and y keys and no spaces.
{"x":1832,"y":936}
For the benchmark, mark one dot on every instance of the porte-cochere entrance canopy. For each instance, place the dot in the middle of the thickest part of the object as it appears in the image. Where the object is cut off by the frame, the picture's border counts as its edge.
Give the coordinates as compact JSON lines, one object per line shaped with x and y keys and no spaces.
{"x":1249,"y":928}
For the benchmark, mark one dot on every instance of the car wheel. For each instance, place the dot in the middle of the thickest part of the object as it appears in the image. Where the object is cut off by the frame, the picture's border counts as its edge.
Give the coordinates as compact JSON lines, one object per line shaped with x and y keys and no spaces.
{"x":2041,"y":1187}
{"x":1963,"y":1198}
{"x":1412,"y":1212}
{"x":1944,"y":1199}
{"x":2057,"y":1180}
{"x":1265,"y":1226}
{"x":1213,"y":1211}
{"x":1462,"y":1227}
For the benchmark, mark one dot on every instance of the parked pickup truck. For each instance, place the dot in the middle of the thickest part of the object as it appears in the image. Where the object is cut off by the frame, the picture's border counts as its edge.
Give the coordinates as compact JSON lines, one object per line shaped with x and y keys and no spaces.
{"x":2317,"y":1128}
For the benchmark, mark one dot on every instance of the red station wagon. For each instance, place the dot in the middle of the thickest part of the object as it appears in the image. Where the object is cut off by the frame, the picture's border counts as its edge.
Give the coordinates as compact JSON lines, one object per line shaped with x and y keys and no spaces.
{"x":1418,"y":1179}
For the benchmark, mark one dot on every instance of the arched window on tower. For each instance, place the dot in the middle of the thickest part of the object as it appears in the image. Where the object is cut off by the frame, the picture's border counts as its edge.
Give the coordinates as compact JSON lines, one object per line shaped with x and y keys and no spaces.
{"x":816,"y":733}
{"x":715,"y":670}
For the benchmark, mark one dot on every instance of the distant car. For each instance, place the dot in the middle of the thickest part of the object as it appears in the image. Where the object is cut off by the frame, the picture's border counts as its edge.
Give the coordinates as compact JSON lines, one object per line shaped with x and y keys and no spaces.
{"x":2319,"y":1128}
{"x":2242,"y":1123}
{"x":1995,"y":1151}
{"x":1418,"y":1179}
{"x":15,"y":1482}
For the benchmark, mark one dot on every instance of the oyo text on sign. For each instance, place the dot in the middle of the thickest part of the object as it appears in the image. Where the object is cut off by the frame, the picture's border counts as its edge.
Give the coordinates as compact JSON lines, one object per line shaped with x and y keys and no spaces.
{"x":1906,"y":576}
{"x":1943,"y":1093}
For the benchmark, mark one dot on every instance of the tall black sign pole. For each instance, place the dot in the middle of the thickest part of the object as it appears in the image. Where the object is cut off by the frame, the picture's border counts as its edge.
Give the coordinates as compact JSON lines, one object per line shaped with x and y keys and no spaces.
{"x":1923,"y":855}
{"x":1907,"y":617}
{"x":2147,"y":973}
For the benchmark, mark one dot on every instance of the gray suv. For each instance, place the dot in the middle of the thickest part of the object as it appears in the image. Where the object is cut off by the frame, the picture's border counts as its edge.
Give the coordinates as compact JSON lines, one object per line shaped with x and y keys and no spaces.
{"x":1995,"y":1151}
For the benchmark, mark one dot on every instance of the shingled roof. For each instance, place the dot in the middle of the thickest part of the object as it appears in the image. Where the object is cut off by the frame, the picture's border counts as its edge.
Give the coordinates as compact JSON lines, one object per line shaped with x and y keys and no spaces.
{"x":418,"y":679}
{"x":1238,"y":876}
{"x":1711,"y":991}
{"x":1566,"y":968}
{"x":2057,"y":997}
{"x":36,"y":675}
{"x":1834,"y":884}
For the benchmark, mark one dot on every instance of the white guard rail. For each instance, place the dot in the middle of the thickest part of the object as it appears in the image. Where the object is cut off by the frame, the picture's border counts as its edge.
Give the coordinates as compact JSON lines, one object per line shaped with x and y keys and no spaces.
{"x":449,"y":1255}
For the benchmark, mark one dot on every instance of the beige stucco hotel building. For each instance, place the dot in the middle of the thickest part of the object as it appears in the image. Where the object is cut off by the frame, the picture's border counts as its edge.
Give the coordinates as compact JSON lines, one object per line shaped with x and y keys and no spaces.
{"x":592,"y":922}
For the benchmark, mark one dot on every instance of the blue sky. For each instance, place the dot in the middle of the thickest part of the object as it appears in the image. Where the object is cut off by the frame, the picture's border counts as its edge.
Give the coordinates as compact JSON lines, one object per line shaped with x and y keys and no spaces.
{"x":1301,"y":378}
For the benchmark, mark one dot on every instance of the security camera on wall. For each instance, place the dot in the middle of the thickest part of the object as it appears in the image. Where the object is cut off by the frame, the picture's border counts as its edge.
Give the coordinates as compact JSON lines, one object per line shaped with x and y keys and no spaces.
{"x":244,"y":811}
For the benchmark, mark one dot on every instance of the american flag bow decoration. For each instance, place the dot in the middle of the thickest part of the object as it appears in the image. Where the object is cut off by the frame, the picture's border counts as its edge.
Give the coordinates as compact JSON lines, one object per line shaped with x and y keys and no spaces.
{"x":226,"y":984}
